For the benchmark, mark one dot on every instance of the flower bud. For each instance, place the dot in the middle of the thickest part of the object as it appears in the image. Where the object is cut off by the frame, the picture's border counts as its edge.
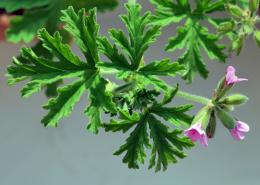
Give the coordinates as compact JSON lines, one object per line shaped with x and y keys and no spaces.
{"x":197,"y":133}
{"x":253,"y":5}
{"x":221,"y":89}
{"x":211,"y":128}
{"x":226,"y":27}
{"x":240,"y":130}
{"x":235,"y":10}
{"x":227,"y":120}
{"x":235,"y":99}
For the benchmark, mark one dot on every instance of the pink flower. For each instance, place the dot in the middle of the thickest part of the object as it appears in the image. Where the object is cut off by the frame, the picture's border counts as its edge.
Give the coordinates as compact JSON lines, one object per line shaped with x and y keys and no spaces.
{"x":239,"y":131}
{"x":196,"y":133}
{"x":231,"y":77}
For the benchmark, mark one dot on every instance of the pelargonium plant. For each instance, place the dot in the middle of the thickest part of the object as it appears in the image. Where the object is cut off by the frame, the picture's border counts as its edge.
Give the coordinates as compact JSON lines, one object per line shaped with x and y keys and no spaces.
{"x":139,"y":102}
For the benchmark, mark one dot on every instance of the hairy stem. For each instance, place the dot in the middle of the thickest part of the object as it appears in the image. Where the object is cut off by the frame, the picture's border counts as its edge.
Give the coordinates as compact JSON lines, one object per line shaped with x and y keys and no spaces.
{"x":194,"y":98}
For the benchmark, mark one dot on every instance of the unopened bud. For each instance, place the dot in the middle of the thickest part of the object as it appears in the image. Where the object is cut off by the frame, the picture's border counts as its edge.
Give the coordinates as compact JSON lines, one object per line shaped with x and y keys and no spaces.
{"x":235,"y":10}
{"x":235,"y":99}
{"x":226,"y":27}
{"x":211,"y":128}
{"x":227,"y":120}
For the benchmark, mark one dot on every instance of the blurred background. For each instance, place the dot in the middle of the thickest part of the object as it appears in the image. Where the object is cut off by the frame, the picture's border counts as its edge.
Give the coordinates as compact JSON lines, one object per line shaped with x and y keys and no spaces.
{"x":33,"y":155}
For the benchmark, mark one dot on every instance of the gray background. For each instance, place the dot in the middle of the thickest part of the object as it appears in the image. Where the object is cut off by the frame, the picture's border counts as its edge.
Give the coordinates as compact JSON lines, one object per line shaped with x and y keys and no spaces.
{"x":33,"y":155}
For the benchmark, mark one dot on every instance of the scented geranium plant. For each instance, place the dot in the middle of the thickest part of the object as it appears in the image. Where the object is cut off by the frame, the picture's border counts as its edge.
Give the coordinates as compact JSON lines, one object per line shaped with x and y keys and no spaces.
{"x":140,"y":103}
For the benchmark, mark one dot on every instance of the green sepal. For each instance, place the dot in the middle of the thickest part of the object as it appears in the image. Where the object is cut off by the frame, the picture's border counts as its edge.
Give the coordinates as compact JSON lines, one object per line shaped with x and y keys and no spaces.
{"x":235,"y":10}
{"x":226,"y":27}
{"x":227,"y":120}
{"x":203,"y":116}
{"x":235,"y":99}
{"x":211,"y":128}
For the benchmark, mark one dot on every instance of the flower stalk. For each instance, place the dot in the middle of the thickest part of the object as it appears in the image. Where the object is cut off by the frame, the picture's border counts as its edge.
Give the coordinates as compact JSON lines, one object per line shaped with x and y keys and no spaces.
{"x":194,"y":98}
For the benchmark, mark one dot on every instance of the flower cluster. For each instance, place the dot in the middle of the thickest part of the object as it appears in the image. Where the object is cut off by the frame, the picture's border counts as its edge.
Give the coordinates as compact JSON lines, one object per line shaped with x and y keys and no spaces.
{"x":204,"y":124}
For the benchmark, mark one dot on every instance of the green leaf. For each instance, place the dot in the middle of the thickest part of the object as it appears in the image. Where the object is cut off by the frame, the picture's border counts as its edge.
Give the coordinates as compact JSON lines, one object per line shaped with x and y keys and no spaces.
{"x":175,"y":115}
{"x":43,"y":13}
{"x":167,"y":144}
{"x":127,"y":54}
{"x":162,"y":68}
{"x":135,"y":145}
{"x":62,"y":51}
{"x":63,"y":105}
{"x":126,"y":122}
{"x":99,"y":99}
{"x":194,"y":35}
{"x":41,"y":71}
{"x":141,"y":37}
{"x":168,"y":12}
{"x":24,"y":28}
{"x":84,"y":30}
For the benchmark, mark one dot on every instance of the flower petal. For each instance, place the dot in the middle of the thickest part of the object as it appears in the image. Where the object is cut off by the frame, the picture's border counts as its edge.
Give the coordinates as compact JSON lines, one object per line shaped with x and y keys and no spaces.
{"x":242,"y":127}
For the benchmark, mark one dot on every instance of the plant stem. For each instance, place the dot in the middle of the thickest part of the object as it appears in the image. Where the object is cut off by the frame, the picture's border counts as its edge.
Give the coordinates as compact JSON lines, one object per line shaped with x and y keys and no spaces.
{"x":194,"y":98}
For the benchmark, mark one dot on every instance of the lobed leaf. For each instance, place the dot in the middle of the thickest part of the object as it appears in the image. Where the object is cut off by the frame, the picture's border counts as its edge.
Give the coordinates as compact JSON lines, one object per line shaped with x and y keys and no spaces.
{"x":41,"y":71}
{"x":193,"y":35}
